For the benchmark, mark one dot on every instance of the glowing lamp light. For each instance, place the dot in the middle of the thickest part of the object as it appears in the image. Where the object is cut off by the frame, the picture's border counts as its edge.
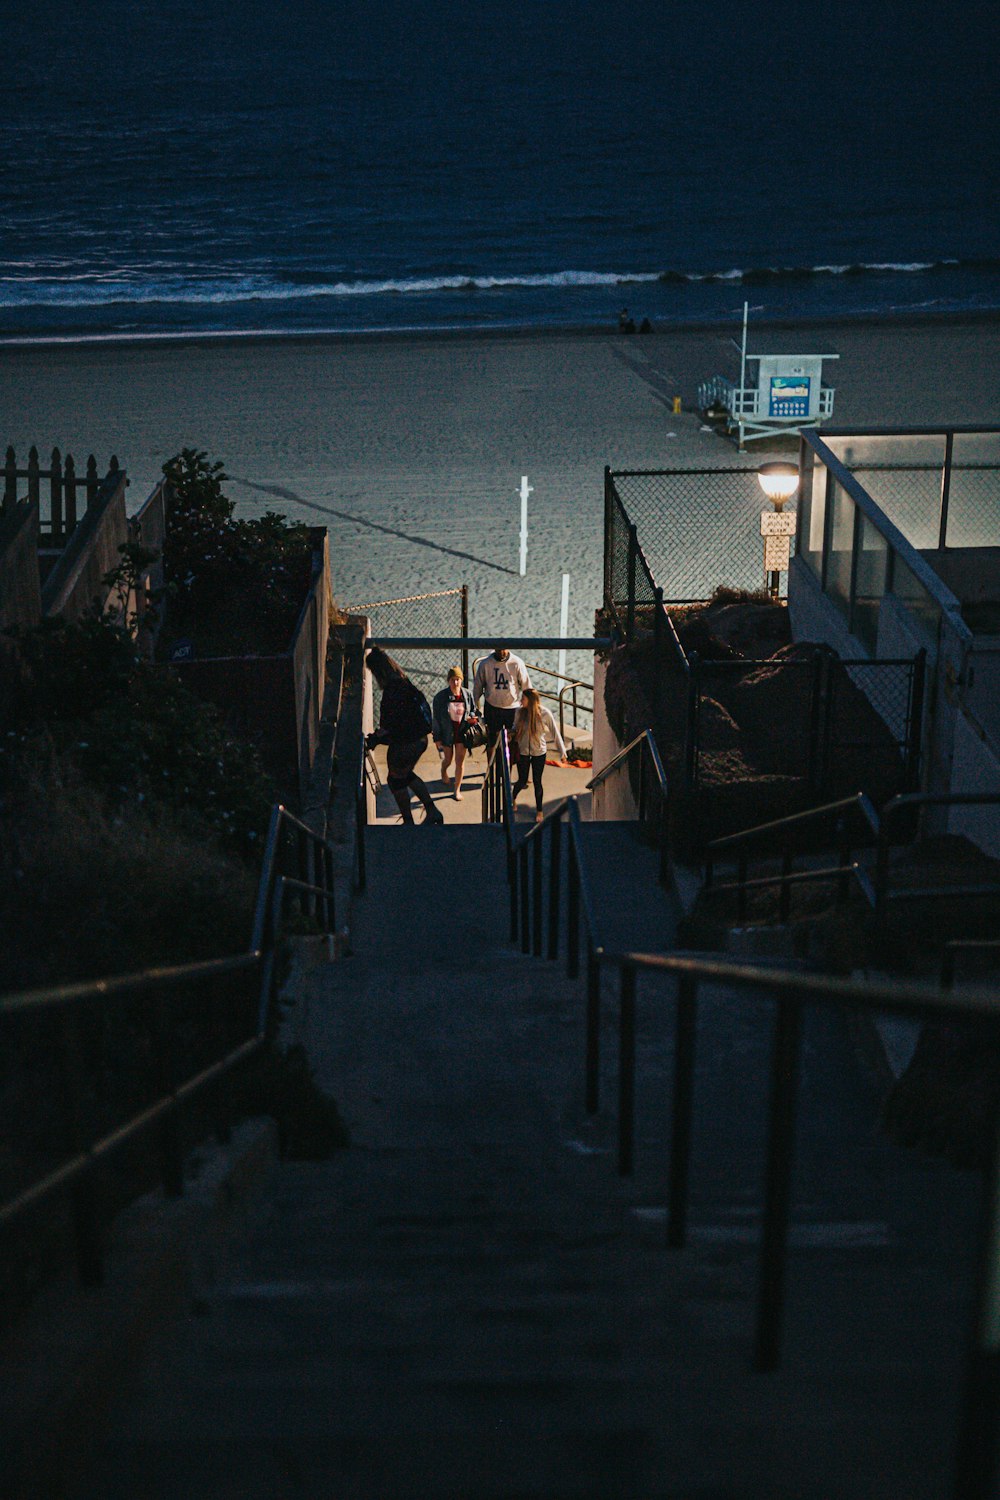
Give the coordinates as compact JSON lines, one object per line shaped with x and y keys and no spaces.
{"x":779,"y":481}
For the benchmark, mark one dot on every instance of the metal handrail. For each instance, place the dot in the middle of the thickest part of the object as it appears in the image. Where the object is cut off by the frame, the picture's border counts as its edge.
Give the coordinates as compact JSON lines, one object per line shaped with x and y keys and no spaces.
{"x":895,"y":809}
{"x":570,"y":683}
{"x":792,"y":990}
{"x":623,"y":754}
{"x":316,"y":860}
{"x":811,"y":814}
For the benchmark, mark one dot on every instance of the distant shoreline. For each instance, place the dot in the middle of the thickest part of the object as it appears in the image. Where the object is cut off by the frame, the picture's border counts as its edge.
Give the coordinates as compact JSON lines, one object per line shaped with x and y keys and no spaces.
{"x":530,"y":331}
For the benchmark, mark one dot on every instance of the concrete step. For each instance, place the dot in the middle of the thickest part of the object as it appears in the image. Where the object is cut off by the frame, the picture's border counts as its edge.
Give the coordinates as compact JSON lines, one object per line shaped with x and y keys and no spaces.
{"x":470,"y":1302}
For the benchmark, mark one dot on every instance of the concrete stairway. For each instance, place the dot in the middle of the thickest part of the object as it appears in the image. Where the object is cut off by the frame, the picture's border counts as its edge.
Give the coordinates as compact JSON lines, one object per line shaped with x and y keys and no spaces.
{"x":469,"y":1303}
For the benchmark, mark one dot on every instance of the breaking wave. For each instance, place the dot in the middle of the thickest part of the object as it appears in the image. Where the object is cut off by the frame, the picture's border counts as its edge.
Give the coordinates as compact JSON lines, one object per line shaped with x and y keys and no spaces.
{"x":52,"y":285}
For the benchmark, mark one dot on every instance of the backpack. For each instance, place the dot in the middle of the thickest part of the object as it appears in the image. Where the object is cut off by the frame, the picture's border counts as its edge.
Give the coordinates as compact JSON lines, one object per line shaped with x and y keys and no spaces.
{"x":415,"y":712}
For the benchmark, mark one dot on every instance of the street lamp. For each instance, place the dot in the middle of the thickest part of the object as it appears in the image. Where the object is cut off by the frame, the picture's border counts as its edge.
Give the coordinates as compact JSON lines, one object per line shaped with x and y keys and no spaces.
{"x":779,"y":480}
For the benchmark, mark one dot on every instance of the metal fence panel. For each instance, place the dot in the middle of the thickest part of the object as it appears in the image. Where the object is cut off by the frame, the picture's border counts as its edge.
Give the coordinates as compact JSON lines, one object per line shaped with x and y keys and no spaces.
{"x":698,"y":528}
{"x":444,"y":613}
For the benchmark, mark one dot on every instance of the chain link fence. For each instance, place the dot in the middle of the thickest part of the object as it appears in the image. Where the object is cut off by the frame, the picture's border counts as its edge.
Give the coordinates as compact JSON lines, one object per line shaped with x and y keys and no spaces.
{"x":445,"y":614}
{"x":697,"y":529}
{"x":837,"y":726}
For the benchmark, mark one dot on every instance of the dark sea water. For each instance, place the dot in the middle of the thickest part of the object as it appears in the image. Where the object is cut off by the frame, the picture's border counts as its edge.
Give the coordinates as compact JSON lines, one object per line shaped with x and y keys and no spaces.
{"x":176,"y":167}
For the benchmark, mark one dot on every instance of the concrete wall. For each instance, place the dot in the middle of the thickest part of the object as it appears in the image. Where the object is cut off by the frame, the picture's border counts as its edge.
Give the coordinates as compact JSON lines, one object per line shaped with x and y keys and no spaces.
{"x":276,"y":701}
{"x":975,"y":768}
{"x":20,"y":590}
{"x":612,"y":799}
{"x":972,"y":573}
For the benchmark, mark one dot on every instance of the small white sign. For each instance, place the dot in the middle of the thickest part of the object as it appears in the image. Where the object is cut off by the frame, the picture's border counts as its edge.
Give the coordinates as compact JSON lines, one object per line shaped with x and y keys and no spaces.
{"x":777,"y":523}
{"x":777,"y":550}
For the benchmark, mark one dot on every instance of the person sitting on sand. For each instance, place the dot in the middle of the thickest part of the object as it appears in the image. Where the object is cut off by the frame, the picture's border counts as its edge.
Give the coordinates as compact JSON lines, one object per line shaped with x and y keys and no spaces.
{"x":534,"y":728}
{"x":500,"y":679}
{"x":404,"y":720}
{"x":451,"y":707}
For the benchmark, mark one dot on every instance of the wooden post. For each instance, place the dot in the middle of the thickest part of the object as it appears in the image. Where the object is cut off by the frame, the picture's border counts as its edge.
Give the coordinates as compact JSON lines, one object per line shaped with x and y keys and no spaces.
{"x":10,"y":480}
{"x":69,"y":493}
{"x":91,"y":480}
{"x":33,"y":474}
{"x":55,"y":491}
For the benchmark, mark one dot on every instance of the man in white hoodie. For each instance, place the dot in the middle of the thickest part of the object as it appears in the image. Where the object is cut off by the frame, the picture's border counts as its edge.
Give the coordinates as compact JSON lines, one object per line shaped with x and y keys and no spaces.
{"x":500,"y":680}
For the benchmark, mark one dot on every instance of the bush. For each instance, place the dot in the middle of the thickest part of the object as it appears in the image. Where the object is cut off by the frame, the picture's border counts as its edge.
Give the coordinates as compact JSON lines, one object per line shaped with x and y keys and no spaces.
{"x":90,"y":890}
{"x":132,"y":731}
{"x":235,"y":587}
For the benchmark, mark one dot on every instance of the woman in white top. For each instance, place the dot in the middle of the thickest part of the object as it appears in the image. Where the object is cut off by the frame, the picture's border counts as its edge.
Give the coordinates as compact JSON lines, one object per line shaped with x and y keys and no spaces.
{"x":534,"y":729}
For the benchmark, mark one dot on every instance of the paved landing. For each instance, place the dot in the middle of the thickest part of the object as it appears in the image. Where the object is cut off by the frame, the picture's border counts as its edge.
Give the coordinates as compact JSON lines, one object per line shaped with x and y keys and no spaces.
{"x":558,"y":782}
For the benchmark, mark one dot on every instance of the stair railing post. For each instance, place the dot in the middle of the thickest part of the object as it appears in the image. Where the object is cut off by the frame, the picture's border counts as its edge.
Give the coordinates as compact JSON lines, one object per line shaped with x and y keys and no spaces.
{"x":778,"y":1183}
{"x":608,"y":600}
{"x":171,"y":1151}
{"x":86,"y":1229}
{"x":914,"y":727}
{"x":555,"y":887}
{"x":978,"y":1461}
{"x":691,"y":733}
{"x":522,"y":857}
{"x":785,"y":896}
{"x":573,"y":914}
{"x":626,"y":1072}
{"x":683,"y":1111}
{"x":536,"y":903}
{"x":593,"y":1058}
{"x":633,"y":547}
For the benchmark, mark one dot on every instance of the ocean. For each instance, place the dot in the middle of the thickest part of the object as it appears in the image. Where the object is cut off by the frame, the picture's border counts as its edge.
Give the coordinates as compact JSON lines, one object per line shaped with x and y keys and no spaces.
{"x":176,"y":168}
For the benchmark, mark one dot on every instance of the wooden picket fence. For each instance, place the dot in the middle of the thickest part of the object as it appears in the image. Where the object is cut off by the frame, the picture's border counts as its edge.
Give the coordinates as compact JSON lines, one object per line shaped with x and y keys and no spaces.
{"x":65,"y":491}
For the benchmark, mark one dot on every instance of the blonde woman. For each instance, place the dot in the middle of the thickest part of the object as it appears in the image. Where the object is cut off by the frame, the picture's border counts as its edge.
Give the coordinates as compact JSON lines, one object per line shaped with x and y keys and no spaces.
{"x":452,"y":706}
{"x":534,"y":730}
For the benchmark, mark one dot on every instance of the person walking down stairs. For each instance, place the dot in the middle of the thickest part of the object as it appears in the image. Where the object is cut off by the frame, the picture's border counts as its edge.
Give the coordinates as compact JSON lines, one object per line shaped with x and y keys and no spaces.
{"x":403,"y":726}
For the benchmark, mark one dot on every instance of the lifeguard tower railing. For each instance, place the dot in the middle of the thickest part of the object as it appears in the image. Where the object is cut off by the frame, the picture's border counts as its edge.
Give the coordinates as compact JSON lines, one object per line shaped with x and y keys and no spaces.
{"x":749,"y":411}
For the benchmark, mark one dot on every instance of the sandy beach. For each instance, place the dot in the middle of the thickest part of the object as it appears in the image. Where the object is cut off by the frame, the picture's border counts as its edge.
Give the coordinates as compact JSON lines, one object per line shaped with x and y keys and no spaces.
{"x":411,"y":449}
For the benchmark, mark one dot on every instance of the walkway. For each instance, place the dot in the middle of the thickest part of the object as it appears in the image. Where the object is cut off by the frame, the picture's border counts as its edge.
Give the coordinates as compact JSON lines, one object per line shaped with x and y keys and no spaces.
{"x":469,"y":1304}
{"x":558,"y":782}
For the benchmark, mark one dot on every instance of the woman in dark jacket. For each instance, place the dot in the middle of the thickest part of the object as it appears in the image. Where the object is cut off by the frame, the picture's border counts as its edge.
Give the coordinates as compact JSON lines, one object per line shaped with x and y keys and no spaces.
{"x":404,"y":721}
{"x":450,"y":709}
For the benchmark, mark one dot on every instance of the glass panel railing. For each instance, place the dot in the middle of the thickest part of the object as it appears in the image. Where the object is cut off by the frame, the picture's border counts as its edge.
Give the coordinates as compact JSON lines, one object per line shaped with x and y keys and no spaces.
{"x":974,"y":490}
{"x":840,"y":551}
{"x":812,"y":512}
{"x":869,"y":584}
{"x":911,"y":592}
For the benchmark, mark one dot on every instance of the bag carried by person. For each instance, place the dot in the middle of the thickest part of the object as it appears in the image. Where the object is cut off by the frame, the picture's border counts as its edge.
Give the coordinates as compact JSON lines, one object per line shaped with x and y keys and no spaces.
{"x":473,"y":732}
{"x":415,"y":714}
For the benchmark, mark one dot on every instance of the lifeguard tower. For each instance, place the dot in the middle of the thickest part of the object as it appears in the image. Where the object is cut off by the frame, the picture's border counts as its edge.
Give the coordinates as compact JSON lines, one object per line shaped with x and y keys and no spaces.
{"x":787,"y":394}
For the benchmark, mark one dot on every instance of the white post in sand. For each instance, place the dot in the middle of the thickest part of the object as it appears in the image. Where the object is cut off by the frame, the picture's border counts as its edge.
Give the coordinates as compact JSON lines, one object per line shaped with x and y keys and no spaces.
{"x":526,"y":490}
{"x":564,"y":623}
{"x":743,"y":368}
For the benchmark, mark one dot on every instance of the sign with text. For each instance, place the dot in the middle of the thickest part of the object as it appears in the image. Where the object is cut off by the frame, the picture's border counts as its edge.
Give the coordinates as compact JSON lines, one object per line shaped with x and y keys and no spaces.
{"x":777,"y":523}
{"x":777,"y":550}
